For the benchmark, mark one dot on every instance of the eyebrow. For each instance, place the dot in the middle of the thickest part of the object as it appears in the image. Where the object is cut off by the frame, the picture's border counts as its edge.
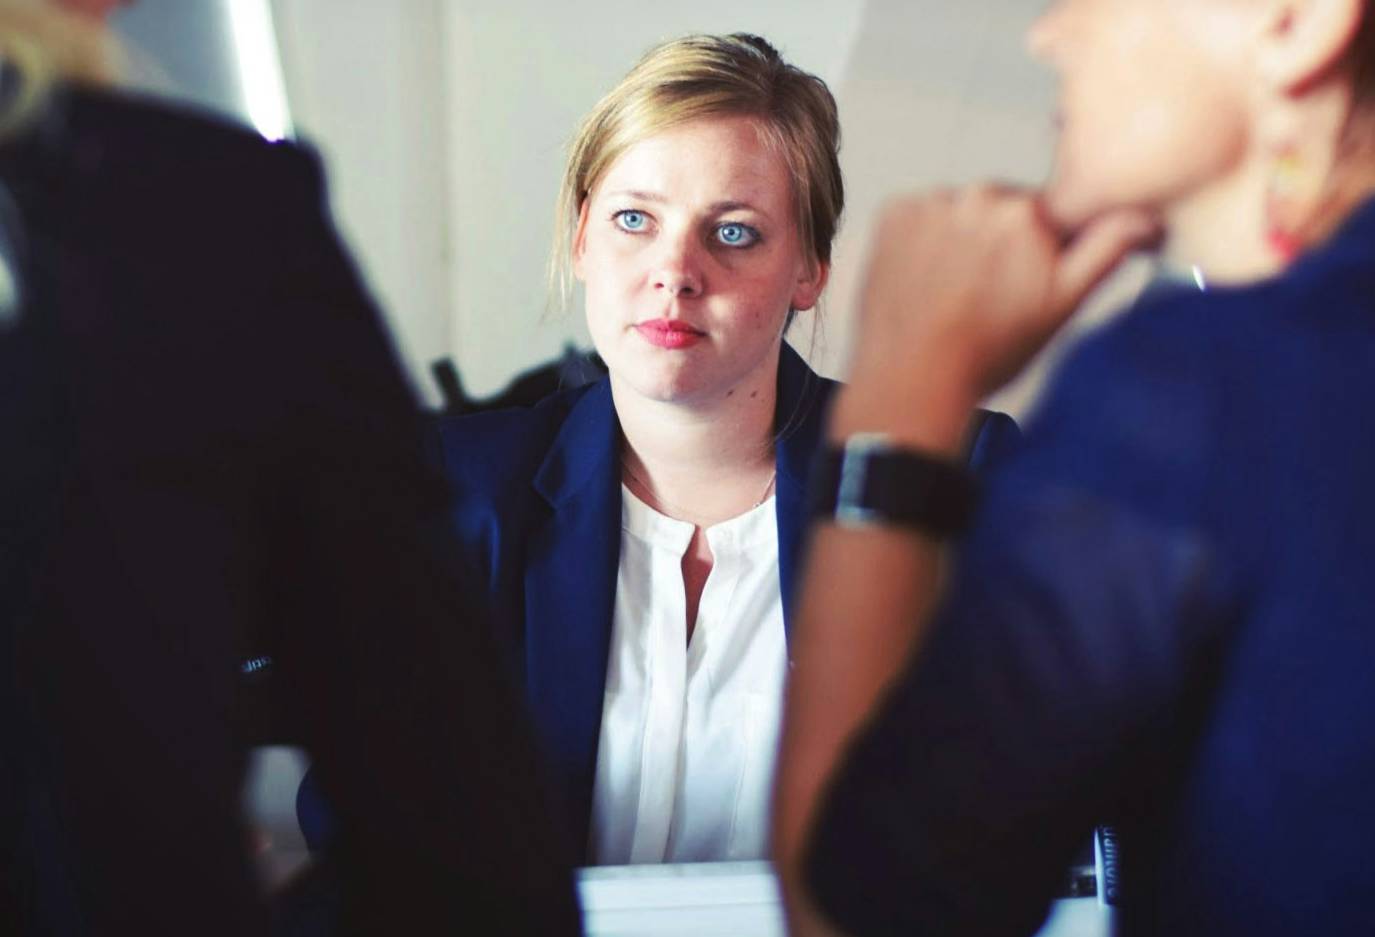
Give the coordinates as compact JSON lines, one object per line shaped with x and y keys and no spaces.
{"x":714,"y":207}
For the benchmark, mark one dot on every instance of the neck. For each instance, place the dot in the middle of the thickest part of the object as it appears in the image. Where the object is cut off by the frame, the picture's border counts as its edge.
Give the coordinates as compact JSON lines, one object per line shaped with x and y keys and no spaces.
{"x":705,"y":461}
{"x":1221,"y":229}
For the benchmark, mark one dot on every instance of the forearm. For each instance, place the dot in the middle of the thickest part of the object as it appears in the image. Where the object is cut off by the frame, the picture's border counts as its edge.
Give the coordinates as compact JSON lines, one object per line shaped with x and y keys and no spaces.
{"x":867,"y":593}
{"x":962,"y":289}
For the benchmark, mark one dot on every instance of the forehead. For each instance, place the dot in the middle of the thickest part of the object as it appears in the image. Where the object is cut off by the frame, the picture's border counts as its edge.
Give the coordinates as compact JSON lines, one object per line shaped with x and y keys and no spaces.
{"x":703,"y":162}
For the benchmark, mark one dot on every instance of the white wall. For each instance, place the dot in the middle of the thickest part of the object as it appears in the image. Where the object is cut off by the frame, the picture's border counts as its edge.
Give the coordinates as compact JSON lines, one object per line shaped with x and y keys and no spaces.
{"x":367,"y":87}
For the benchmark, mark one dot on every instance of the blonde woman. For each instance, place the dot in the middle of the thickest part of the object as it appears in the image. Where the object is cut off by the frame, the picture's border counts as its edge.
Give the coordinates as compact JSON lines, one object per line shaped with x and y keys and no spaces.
{"x":207,"y":449}
{"x":639,"y":538}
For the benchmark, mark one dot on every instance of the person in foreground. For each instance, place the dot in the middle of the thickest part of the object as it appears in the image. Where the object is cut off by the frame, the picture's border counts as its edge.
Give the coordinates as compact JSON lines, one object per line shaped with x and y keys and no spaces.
{"x":1160,"y":611}
{"x":208,"y":449}
{"x":639,"y":536}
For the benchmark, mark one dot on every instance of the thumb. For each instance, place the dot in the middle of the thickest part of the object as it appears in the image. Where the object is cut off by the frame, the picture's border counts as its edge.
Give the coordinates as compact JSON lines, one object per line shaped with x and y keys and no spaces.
{"x":1096,"y":251}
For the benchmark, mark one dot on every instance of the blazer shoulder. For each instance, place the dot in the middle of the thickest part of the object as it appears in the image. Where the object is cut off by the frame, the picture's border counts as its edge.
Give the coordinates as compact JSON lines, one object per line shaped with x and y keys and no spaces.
{"x":150,"y":144}
{"x":495,"y":455}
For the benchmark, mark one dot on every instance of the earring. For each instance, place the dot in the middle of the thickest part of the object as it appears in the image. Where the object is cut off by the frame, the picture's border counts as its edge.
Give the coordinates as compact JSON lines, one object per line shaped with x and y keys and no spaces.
{"x":1290,"y":194}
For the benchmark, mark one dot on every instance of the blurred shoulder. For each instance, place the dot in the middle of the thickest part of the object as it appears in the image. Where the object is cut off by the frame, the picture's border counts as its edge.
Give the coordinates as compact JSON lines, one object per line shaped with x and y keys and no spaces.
{"x":148,"y":144}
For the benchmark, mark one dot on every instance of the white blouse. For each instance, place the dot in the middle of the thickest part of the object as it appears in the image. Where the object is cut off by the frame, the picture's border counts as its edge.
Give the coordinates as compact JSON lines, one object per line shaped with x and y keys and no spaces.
{"x":689,"y":729}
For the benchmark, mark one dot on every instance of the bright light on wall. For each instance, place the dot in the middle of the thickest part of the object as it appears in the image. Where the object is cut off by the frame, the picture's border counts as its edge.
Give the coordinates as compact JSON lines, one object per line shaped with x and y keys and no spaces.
{"x":260,"y":68}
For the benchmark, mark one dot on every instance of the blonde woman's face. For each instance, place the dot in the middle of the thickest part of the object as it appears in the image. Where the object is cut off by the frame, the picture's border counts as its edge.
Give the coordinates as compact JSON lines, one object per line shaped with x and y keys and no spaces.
{"x":1154,"y":100}
{"x":691,"y":259}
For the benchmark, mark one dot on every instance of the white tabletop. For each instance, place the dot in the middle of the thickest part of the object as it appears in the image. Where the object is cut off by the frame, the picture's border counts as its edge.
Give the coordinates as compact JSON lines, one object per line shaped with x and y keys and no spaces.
{"x":735,"y":898}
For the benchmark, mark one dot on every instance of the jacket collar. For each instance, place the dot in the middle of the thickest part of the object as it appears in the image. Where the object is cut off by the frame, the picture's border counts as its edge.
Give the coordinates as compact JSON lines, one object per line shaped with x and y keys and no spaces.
{"x":588,"y":444}
{"x":585,"y":449}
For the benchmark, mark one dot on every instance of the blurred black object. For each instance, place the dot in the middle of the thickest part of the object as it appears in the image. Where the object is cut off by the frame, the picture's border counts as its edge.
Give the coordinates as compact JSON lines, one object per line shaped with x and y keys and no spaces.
{"x":235,"y":470}
{"x":572,"y":369}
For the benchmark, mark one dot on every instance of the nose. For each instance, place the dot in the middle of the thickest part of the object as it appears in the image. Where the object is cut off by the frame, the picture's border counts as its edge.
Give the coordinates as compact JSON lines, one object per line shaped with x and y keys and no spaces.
{"x":677,"y":270}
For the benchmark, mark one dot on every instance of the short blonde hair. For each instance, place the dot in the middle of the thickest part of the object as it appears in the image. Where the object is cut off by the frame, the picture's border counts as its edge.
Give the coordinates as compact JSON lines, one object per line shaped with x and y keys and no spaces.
{"x":711,"y":76}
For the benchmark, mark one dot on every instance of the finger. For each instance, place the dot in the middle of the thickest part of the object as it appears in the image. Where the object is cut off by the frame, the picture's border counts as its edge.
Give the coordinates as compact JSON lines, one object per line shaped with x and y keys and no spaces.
{"x":1096,"y":251}
{"x":998,"y":189}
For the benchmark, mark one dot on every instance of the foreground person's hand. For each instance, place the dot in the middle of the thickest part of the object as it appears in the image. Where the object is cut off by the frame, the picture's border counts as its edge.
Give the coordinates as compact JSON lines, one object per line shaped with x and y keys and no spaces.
{"x":963,"y":288}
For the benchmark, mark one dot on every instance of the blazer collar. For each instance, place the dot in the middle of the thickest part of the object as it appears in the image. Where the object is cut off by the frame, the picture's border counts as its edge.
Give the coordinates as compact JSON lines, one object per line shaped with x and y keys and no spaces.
{"x":799,"y":421}
{"x":585,"y":449}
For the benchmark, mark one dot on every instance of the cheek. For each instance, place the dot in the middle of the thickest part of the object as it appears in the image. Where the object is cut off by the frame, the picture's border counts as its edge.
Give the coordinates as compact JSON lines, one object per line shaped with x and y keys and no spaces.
{"x":1149,"y":135}
{"x":609,"y":281}
{"x":760,"y":305}
{"x":764,"y":292}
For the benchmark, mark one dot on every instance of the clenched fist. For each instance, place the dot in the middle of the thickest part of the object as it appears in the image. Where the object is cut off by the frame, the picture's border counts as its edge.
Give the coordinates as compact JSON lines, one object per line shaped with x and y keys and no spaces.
{"x":963,"y":288}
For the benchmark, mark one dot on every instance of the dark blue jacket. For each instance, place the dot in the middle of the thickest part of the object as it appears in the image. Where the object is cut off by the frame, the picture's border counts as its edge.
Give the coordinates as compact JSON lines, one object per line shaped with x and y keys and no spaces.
{"x":1163,"y":614}
{"x":538,"y":511}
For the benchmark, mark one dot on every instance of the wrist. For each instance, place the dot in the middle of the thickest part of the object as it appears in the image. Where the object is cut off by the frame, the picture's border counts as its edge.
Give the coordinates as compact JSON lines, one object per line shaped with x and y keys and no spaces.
{"x":927,"y":411}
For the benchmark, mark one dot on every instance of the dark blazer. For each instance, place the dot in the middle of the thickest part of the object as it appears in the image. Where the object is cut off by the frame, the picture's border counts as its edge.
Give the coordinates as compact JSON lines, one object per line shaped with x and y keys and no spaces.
{"x":235,"y":467}
{"x":1163,"y":614}
{"x":538,"y":511}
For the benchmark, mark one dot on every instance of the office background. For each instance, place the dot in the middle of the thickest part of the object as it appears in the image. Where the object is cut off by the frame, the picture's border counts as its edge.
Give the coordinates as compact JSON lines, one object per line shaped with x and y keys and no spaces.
{"x":442,"y":124}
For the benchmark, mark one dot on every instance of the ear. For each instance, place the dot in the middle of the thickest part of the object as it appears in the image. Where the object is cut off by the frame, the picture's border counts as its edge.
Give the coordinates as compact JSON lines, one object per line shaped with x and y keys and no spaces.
{"x":1303,"y":40}
{"x":580,"y":240}
{"x":809,"y":285}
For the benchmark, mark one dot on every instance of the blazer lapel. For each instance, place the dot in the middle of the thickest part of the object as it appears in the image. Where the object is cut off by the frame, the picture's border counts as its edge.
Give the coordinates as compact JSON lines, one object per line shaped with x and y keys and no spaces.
{"x":802,"y":398}
{"x":570,"y":588}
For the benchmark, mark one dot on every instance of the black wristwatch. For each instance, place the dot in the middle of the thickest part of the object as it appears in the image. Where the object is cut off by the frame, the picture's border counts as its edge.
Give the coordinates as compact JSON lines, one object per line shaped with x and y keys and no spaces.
{"x":872,"y":481}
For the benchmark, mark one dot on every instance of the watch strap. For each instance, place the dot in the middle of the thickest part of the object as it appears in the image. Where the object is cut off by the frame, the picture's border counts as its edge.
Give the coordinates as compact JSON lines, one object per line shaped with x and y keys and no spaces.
{"x":870,"y":481}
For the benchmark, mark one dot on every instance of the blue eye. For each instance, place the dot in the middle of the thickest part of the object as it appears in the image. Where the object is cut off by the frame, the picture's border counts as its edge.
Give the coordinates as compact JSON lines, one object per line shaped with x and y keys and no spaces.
{"x":734,"y":234}
{"x":630,"y":220}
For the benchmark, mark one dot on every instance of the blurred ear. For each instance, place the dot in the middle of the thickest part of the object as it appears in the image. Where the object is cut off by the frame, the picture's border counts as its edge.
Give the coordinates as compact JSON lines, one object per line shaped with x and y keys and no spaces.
{"x":1303,"y":40}
{"x":808,"y":288}
{"x":580,"y":240}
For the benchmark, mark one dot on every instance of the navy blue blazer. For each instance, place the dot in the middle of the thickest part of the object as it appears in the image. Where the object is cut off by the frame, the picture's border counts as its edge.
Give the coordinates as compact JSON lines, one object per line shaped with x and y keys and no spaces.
{"x":538,"y":512}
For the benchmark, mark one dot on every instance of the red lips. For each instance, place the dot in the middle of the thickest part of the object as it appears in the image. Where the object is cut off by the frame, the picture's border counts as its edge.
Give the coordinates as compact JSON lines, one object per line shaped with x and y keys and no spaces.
{"x":669,"y":333}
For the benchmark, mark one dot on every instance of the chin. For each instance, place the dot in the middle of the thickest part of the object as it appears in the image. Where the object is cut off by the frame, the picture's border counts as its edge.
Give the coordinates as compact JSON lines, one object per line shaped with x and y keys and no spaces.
{"x":666,"y":385}
{"x":1070,"y":203}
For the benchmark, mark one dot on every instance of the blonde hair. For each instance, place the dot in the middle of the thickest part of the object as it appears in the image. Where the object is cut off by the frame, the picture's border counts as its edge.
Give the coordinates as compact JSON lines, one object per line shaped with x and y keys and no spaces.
{"x":711,"y":76}
{"x":41,"y":44}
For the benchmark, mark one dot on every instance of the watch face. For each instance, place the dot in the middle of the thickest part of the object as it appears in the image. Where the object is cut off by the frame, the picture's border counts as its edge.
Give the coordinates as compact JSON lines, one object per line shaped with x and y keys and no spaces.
{"x":871,"y":482}
{"x":852,"y":508}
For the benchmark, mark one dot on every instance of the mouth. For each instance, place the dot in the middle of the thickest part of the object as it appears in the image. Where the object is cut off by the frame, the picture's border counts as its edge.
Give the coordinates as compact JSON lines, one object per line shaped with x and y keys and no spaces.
{"x":669,"y":333}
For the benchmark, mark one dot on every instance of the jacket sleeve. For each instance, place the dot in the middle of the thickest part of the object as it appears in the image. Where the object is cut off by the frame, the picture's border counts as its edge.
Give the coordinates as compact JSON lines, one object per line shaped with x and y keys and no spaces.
{"x":1061,"y":674}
